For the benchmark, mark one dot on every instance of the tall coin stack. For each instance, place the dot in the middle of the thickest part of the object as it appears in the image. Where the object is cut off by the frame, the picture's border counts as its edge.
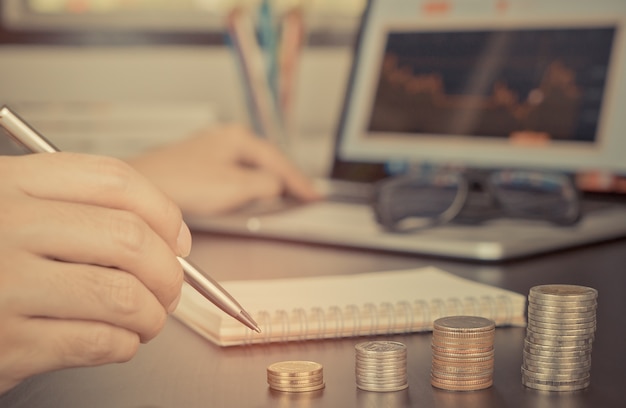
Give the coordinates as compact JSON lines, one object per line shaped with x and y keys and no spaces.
{"x":462,"y":353}
{"x":381,"y":366}
{"x":295,"y":376}
{"x":559,"y":337}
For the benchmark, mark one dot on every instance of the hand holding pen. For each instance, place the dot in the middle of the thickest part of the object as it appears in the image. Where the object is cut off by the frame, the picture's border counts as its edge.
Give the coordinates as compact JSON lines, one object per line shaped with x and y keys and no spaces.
{"x":87,"y":265}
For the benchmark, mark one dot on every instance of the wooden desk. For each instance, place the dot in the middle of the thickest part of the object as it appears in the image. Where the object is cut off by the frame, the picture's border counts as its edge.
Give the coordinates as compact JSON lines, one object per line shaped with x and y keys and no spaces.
{"x":180,"y":369}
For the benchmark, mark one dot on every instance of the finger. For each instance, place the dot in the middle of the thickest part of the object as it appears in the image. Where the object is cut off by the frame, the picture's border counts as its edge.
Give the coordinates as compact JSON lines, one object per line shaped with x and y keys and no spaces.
{"x":247,"y":185}
{"x":118,"y":239}
{"x":259,"y":153}
{"x":106,"y":182}
{"x":40,"y":345}
{"x":83,"y":292}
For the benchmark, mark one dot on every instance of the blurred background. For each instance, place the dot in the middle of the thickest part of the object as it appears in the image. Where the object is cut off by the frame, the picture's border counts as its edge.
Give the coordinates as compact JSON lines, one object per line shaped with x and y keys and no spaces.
{"x":117,"y":76}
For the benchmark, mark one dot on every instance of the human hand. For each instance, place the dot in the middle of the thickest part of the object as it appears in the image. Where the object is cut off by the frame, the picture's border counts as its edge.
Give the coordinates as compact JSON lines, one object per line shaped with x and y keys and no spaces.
{"x":221,"y":169}
{"x":88,"y":265}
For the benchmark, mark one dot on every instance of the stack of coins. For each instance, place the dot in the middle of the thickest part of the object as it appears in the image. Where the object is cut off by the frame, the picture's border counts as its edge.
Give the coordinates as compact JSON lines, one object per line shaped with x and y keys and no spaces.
{"x":463,"y":353}
{"x":559,"y":337}
{"x":295,"y":376}
{"x":381,"y":366}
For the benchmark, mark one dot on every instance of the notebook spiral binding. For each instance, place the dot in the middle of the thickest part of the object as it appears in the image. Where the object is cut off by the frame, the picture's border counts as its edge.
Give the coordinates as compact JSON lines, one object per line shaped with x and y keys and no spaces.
{"x":372,"y":319}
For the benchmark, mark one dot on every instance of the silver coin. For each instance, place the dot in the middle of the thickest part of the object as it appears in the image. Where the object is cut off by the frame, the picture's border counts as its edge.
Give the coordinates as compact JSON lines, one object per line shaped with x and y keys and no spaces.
{"x":381,"y":358}
{"x":564,"y":312}
{"x":463,"y":324}
{"x":580,"y":333}
{"x":561,"y":340}
{"x":560,"y":318}
{"x":562,"y":291}
{"x":380,"y":373}
{"x":560,"y":352}
{"x":577,"y":372}
{"x":563,"y":324}
{"x":557,"y":383}
{"x":561,"y":302}
{"x":556,"y":361}
{"x":398,"y":377}
{"x":380,"y":348}
{"x":576,"y":308}
{"x":555,"y":376}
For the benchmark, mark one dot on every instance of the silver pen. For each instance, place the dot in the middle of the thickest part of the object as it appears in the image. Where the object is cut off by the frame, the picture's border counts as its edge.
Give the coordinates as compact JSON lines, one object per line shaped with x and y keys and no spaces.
{"x":34,"y":142}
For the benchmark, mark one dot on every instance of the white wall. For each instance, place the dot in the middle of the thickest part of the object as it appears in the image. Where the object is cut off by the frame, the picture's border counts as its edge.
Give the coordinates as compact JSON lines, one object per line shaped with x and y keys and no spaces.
{"x":64,"y":89}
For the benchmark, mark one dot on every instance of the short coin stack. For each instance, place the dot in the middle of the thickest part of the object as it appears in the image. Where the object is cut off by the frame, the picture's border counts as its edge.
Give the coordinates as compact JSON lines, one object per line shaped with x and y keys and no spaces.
{"x":295,"y":376}
{"x":559,"y":337}
{"x":462,"y":353}
{"x":381,"y":366}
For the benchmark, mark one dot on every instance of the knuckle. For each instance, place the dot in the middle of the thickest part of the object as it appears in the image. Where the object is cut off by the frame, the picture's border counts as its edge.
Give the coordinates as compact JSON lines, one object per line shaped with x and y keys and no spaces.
{"x":103,"y":344}
{"x":116,"y":174}
{"x":123,"y":291}
{"x":128,"y":230}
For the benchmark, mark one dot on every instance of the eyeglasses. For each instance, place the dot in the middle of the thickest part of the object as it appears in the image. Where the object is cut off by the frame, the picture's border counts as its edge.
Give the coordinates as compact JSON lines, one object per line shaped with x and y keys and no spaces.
{"x":422,"y":199}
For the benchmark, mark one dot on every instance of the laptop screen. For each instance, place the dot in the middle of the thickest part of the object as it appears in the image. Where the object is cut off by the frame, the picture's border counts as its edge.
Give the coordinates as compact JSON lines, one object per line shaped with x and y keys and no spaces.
{"x":486,"y":84}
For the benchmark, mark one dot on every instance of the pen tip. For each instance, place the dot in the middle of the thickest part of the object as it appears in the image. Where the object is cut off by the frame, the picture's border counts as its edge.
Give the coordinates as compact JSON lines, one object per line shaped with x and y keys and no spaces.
{"x":249,"y":321}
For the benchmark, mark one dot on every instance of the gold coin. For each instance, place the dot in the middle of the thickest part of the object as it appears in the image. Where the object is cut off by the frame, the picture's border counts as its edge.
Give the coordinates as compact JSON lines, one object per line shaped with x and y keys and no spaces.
{"x":294,"y":368}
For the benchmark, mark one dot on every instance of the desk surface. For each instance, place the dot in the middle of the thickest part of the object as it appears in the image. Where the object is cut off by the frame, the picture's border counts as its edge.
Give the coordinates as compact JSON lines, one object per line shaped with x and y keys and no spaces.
{"x":180,"y":369}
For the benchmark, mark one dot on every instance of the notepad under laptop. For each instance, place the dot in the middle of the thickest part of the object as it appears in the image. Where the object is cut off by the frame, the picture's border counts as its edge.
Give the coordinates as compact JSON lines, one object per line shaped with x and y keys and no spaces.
{"x":535,"y":85}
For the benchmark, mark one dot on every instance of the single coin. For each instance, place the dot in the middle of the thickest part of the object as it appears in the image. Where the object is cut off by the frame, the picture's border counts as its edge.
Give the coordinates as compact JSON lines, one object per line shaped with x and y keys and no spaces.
{"x":565,"y":326}
{"x":463,"y":324}
{"x":557,"y":359}
{"x":563,"y":292}
{"x":462,"y":369}
{"x":460,"y":385}
{"x":298,"y":389}
{"x":374,"y":388}
{"x":294,"y":368}
{"x":464,"y":336}
{"x":563,"y":314}
{"x":573,"y":310}
{"x":464,"y":343}
{"x":581,"y":333}
{"x":380,"y":347}
{"x":295,"y":380}
{"x":389,"y":358}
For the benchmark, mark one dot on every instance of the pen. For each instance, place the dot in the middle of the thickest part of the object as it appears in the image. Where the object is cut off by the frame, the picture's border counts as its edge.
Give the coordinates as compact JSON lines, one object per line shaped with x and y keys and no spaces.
{"x":34,"y":142}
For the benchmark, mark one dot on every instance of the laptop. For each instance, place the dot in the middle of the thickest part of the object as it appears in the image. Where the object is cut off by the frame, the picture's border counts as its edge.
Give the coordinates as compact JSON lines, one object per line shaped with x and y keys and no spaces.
{"x":483,"y":84}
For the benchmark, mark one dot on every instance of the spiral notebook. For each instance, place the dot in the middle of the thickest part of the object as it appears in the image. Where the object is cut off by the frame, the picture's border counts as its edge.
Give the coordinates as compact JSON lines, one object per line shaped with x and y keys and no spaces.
{"x":364,"y":304}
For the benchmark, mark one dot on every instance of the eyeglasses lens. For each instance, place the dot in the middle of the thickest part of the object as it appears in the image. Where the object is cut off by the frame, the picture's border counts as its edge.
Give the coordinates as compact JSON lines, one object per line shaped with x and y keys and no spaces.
{"x":537,"y":195}
{"x":415,"y":201}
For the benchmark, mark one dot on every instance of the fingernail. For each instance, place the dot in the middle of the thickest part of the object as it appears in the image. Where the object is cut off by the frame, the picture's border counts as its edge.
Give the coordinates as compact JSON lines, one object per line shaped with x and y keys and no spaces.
{"x":183,"y":242}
